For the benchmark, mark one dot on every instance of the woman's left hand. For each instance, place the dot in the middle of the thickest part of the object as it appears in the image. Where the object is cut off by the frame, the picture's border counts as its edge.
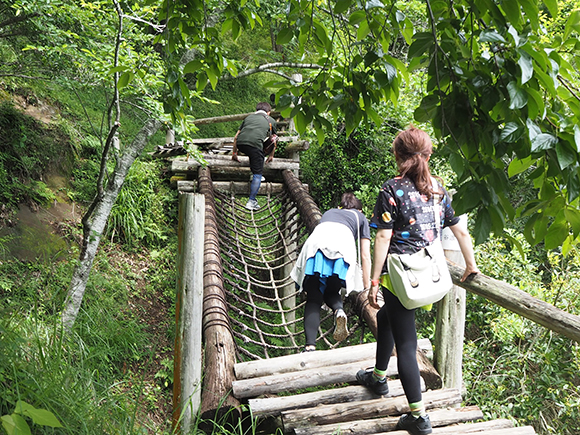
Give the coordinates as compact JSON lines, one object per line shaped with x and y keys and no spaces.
{"x":373,"y":291}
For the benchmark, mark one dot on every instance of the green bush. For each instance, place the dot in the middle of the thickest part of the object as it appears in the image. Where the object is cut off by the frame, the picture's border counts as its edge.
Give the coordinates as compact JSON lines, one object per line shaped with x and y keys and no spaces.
{"x":361,"y":162}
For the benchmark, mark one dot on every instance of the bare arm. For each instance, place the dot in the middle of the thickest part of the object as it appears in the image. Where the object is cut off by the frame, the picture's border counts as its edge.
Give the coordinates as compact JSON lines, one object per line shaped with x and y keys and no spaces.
{"x":365,"y":253}
{"x":464,"y":239}
{"x":235,"y":148}
{"x":271,"y":155}
{"x":382,"y":242}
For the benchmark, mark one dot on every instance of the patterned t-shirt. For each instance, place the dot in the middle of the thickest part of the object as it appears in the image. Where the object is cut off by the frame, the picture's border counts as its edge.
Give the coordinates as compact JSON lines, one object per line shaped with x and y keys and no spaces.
{"x":410,"y":215}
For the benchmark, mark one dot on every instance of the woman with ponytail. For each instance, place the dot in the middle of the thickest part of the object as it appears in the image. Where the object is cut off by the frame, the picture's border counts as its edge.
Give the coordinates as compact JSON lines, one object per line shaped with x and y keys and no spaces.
{"x":405,"y":221}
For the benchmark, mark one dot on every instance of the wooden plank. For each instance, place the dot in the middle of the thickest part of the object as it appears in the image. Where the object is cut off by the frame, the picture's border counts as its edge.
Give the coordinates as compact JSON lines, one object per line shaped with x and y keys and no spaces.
{"x":273,"y":406}
{"x":441,"y":417}
{"x":228,"y":118}
{"x":519,"y":302}
{"x":215,"y":161}
{"x":243,"y":187}
{"x":292,"y":381}
{"x":482,"y":427}
{"x":342,"y":412}
{"x":311,"y":360}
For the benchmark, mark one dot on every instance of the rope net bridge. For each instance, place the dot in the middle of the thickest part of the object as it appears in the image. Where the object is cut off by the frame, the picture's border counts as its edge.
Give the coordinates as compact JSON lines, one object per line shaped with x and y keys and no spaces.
{"x":239,"y":311}
{"x":258,"y":251}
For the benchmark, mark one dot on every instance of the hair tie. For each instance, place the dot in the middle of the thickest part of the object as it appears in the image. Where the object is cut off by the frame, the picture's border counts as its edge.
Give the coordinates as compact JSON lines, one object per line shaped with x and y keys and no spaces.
{"x":417,"y":153}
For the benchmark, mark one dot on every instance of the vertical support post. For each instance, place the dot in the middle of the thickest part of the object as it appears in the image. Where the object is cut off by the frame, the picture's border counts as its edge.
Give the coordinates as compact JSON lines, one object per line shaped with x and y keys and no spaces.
{"x":189,"y":310}
{"x":170,"y":137}
{"x":450,"y":324}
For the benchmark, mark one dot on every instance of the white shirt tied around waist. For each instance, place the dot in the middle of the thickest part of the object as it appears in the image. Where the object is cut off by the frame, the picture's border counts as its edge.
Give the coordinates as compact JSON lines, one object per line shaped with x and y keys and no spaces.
{"x":335,"y":241}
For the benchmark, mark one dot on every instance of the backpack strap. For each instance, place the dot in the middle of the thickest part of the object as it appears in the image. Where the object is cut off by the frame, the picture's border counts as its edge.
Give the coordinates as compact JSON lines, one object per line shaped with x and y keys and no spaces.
{"x":269,"y":123}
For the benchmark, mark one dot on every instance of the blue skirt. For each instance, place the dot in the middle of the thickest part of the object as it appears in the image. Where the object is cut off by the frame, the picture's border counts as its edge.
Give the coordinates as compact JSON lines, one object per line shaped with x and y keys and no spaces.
{"x":325,"y":267}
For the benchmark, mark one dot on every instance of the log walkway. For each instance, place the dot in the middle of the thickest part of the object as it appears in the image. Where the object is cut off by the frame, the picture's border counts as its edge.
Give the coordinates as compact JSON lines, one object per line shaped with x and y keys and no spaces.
{"x":345,"y":407}
{"x":248,"y":255}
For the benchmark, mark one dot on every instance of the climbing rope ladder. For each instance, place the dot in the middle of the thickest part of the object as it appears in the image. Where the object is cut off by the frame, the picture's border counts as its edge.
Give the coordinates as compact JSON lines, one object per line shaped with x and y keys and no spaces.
{"x":258,"y":251}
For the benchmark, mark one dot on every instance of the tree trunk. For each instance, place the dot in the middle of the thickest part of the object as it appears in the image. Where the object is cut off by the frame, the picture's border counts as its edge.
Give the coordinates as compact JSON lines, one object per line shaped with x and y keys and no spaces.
{"x":95,"y":221}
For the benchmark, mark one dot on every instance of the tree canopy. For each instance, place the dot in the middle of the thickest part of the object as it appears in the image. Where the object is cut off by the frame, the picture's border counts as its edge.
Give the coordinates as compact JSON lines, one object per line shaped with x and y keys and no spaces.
{"x":500,"y":79}
{"x":500,"y":93}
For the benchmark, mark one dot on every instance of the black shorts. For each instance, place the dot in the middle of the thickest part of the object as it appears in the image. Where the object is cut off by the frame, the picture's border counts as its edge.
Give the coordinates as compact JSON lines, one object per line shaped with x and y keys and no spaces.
{"x":256,"y":156}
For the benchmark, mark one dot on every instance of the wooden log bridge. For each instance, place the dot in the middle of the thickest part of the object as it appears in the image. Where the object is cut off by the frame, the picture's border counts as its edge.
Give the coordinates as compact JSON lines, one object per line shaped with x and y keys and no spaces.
{"x":347,"y":407}
{"x":216,"y":278}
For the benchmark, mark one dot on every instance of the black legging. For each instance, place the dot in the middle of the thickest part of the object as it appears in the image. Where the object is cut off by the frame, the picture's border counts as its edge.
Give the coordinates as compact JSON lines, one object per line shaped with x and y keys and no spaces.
{"x":314,"y":301}
{"x":396,"y":327}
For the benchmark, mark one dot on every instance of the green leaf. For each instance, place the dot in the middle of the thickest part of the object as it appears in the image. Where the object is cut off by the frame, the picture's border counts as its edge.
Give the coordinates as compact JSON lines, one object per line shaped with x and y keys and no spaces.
{"x":532,"y":13}
{"x":117,"y":69}
{"x":192,"y":67}
{"x":363,"y":30}
{"x":571,"y":24}
{"x":535,"y":103}
{"x":491,"y":36}
{"x":573,"y":217}
{"x":482,"y":226}
{"x":573,"y":185}
{"x":518,"y":96}
{"x":423,"y":41}
{"x":556,"y":235}
{"x":300,"y":122}
{"x":518,"y":166}
{"x":341,"y":6}
{"x":38,"y":416}
{"x":566,"y":156}
{"x":526,"y":65}
{"x":511,"y":132}
{"x":15,"y":425}
{"x":544,"y":141}
{"x":552,"y":6}
{"x":285,"y":36}
{"x":512,"y":11}
{"x":577,"y":137}
{"x":373,"y":4}
{"x":356,"y":17}
{"x":125,"y":79}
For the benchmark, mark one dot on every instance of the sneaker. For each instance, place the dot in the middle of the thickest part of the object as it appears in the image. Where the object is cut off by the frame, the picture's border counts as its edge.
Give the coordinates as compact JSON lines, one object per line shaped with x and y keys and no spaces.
{"x":340,"y":329}
{"x":366,"y":378}
{"x":308,"y":348}
{"x":415,"y":425}
{"x":252,"y":204}
{"x":252,"y":177}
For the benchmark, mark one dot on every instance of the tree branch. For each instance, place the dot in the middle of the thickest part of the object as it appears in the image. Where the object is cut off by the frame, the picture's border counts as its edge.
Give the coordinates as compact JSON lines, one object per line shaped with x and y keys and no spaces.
{"x":18,"y":19}
{"x":268,"y":68}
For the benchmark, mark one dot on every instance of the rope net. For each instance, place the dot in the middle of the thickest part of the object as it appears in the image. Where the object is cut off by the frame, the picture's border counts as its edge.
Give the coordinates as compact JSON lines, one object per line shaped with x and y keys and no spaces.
{"x":258,"y":250}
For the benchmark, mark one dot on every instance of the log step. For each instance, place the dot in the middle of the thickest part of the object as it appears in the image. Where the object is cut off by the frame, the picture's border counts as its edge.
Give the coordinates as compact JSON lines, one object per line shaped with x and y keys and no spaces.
{"x":342,"y":413}
{"x":492,"y":427}
{"x":439,"y":417}
{"x":312,"y":360}
{"x":274,"y":406}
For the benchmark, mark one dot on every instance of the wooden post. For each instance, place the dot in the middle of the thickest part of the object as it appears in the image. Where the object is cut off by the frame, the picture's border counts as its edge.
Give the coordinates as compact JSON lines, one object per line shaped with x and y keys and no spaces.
{"x":220,"y":349}
{"x":169,"y":136}
{"x":450,"y":324}
{"x":189,"y":306}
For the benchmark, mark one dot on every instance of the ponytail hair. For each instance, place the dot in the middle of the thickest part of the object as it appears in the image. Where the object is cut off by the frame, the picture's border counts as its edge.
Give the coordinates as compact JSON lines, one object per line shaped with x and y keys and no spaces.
{"x":413,"y":147}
